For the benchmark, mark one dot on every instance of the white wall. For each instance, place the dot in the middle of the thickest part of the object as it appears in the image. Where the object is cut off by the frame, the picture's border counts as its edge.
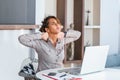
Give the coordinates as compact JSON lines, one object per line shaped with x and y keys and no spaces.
{"x":109,"y":33}
{"x":69,"y":15}
{"x":119,"y":26}
{"x":39,"y":11}
{"x":119,"y":32}
{"x":12,"y":53}
{"x":50,"y":7}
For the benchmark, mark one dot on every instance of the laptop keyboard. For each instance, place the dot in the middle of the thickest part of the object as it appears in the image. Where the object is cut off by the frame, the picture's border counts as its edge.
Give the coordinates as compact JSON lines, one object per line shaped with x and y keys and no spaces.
{"x":73,"y":71}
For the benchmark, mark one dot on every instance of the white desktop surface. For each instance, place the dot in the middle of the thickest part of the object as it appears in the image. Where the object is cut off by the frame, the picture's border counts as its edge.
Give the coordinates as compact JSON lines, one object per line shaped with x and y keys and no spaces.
{"x":107,"y":74}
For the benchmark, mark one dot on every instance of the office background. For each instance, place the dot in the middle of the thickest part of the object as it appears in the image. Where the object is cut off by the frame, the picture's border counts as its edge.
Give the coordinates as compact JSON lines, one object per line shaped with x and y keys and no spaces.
{"x":26,"y":12}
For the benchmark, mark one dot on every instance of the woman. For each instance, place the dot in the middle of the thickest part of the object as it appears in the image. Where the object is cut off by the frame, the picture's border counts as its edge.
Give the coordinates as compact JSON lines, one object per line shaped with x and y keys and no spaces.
{"x":49,"y":43}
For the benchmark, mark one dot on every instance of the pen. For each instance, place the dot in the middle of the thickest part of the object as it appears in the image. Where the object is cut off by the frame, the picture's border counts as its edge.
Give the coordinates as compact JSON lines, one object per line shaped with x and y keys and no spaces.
{"x":49,"y":77}
{"x":63,"y":75}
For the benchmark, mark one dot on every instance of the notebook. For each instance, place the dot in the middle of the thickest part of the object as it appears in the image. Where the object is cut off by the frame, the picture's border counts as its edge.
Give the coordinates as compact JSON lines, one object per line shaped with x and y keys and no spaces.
{"x":94,"y":60}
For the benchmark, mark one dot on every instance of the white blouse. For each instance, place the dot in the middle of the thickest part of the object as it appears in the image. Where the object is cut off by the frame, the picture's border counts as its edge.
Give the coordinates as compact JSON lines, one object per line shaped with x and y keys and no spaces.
{"x":49,"y":57}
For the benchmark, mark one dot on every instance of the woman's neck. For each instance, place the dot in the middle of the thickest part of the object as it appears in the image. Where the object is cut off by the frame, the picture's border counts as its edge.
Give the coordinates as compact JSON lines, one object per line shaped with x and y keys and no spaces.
{"x":53,"y":39}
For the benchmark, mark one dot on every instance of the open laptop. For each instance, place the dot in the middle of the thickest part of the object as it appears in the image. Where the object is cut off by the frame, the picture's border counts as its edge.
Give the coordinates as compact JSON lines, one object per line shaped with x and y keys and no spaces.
{"x":94,"y":60}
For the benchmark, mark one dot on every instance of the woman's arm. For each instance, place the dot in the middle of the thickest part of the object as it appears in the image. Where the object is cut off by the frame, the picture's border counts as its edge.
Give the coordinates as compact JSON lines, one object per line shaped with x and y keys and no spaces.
{"x":29,"y":39}
{"x":71,"y":35}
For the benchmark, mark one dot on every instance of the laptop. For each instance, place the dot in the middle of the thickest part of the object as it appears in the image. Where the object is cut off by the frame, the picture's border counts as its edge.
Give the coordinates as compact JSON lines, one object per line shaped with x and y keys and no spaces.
{"x":94,"y":60}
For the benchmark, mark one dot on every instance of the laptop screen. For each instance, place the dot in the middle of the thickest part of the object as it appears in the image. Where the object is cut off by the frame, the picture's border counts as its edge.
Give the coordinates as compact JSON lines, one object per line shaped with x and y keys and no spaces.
{"x":94,"y":59}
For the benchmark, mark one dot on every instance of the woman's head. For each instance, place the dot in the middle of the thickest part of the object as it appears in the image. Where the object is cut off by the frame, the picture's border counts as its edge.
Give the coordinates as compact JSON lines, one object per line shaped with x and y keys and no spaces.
{"x":51,"y":24}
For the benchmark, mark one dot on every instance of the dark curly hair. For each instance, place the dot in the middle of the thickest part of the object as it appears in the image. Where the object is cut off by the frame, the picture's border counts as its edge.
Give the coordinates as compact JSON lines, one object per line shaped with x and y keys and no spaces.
{"x":45,"y":23}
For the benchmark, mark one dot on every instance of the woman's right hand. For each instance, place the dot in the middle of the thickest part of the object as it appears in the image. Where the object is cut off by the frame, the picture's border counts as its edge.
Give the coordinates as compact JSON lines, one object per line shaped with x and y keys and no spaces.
{"x":45,"y":36}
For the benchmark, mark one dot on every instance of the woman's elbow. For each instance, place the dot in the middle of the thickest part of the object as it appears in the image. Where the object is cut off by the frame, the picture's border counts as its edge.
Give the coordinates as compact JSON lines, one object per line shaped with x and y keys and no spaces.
{"x":78,"y":34}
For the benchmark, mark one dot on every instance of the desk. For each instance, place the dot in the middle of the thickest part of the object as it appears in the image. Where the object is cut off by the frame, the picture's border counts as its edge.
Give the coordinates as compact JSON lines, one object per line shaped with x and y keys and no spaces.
{"x":107,"y":74}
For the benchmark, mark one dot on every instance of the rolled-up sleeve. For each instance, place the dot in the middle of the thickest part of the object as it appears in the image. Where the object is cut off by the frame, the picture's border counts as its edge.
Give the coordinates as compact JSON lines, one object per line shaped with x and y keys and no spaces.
{"x":71,"y":36}
{"x":29,"y":39}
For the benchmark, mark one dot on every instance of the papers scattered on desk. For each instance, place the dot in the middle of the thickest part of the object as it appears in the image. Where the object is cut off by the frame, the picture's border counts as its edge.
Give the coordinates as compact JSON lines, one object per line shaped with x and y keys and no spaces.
{"x":62,"y":76}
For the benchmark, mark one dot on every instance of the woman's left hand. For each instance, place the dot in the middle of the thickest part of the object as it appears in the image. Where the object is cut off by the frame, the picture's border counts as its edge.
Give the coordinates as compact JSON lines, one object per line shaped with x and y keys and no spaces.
{"x":60,"y":35}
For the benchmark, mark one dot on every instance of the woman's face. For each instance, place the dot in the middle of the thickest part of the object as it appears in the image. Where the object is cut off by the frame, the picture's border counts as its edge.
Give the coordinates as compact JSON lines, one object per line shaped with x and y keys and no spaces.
{"x":53,"y":26}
